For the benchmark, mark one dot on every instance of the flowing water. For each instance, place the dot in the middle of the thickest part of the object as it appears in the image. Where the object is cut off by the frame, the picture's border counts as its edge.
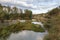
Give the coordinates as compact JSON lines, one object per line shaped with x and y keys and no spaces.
{"x":29,"y":35}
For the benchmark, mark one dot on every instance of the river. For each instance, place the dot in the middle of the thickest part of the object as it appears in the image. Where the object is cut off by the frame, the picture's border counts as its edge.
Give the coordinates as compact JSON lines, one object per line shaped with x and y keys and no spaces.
{"x":29,"y":35}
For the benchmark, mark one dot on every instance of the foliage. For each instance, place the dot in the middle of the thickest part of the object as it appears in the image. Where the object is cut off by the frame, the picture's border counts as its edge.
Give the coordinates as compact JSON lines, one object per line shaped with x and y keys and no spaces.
{"x":9,"y":14}
{"x":28,"y":13}
{"x":53,"y":25}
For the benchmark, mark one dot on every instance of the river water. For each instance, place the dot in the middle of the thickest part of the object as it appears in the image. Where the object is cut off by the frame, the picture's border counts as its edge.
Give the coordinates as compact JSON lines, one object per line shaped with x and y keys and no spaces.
{"x":29,"y":35}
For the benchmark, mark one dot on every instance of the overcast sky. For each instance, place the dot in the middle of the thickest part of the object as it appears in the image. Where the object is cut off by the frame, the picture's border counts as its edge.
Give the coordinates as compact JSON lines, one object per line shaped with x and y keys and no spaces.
{"x":37,"y":6}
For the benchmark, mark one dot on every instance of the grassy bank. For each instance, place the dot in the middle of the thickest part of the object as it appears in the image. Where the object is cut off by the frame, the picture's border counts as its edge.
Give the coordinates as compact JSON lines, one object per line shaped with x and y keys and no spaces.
{"x":15,"y":28}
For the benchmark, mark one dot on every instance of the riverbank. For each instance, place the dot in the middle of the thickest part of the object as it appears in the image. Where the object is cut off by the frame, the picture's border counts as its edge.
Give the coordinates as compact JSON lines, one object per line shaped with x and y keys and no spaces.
{"x":15,"y":28}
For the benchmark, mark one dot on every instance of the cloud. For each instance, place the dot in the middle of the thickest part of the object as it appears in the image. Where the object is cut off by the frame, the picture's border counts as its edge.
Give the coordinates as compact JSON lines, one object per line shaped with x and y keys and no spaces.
{"x":36,"y":5}
{"x":19,"y":2}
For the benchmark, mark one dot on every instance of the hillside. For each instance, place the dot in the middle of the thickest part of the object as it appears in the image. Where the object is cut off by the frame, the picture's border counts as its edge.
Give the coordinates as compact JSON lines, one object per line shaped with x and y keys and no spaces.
{"x":40,"y":17}
{"x":53,"y":24}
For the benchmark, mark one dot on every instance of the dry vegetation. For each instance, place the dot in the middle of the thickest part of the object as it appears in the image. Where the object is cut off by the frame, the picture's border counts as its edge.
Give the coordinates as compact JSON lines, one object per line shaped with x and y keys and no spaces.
{"x":53,"y":24}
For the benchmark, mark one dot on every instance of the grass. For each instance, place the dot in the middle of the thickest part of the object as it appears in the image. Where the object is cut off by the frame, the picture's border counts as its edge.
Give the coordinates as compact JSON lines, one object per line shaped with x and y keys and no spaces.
{"x":15,"y":28}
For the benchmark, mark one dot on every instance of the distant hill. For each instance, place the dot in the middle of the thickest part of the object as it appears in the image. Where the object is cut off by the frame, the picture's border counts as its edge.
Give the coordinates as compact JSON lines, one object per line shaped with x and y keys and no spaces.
{"x":40,"y":17}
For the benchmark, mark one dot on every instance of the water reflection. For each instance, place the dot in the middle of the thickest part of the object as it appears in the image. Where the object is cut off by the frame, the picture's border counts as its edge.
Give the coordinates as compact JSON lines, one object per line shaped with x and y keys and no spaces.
{"x":27,"y":35}
{"x":23,"y":35}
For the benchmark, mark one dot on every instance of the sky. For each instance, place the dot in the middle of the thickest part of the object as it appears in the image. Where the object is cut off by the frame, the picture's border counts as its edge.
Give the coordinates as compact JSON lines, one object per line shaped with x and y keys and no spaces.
{"x":37,"y":6}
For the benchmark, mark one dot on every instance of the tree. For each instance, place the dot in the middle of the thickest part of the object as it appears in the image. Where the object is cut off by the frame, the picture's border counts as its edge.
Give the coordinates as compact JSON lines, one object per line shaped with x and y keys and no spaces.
{"x":15,"y":10}
{"x":1,"y":8}
{"x":9,"y":9}
{"x":22,"y":15}
{"x":28,"y":14}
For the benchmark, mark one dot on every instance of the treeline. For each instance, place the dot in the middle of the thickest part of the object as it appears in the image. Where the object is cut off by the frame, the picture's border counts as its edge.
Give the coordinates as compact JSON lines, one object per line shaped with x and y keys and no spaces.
{"x":8,"y":13}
